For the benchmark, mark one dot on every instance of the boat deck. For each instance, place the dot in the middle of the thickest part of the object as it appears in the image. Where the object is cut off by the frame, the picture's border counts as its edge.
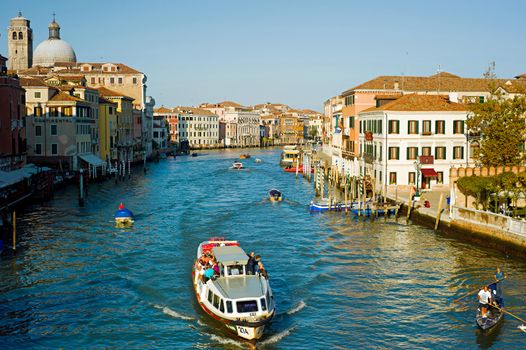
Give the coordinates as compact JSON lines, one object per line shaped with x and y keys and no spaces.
{"x":240,"y":287}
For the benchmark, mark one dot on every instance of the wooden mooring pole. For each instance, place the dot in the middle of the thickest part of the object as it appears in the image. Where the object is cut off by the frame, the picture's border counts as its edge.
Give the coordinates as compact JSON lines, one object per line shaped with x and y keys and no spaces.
{"x":439,"y":211}
{"x":14,"y":231}
{"x":409,"y":204}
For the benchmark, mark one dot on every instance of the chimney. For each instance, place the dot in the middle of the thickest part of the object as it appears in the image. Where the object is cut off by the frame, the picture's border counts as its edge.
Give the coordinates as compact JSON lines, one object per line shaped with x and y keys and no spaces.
{"x":453,"y":97}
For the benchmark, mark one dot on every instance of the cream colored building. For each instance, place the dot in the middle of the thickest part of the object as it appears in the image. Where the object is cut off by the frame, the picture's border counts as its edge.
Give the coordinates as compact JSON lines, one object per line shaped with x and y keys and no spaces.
{"x":198,"y":126}
{"x":59,"y":125}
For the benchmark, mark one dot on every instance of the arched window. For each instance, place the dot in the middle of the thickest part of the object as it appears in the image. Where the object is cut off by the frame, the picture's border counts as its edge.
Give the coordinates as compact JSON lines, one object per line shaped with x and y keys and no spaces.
{"x":14,"y":35}
{"x":20,"y":36}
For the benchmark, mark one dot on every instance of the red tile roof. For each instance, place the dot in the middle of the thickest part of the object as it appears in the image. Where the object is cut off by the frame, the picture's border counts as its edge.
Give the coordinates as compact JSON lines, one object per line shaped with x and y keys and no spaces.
{"x":420,"y":103}
{"x":111,"y":93}
{"x":442,"y":82}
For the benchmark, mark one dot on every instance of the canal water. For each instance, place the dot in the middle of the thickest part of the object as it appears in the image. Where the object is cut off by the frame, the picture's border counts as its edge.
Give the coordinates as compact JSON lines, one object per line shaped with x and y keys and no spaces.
{"x":339,"y":283}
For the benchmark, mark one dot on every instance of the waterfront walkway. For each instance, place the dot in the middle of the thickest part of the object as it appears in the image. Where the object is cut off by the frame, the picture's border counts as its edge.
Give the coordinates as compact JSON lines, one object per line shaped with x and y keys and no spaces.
{"x":433,"y":196}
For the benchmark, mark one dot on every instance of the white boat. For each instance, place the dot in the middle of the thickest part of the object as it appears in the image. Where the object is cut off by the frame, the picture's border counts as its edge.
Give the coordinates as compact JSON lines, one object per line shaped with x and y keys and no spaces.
{"x":242,"y":302}
{"x":237,"y":166}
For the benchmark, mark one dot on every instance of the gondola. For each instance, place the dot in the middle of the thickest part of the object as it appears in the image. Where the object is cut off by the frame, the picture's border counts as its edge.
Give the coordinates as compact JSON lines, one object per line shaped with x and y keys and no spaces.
{"x":275,"y":195}
{"x":493,"y":315}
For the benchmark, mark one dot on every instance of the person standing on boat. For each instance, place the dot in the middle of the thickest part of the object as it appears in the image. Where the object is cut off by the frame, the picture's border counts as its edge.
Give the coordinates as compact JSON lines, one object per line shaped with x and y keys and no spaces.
{"x":256,"y":263}
{"x":262,"y":271}
{"x":251,"y":264}
{"x":499,"y":277}
{"x":484,"y":297}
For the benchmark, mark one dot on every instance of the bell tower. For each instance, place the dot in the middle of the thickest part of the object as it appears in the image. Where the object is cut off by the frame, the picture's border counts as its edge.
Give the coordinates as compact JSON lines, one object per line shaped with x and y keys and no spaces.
{"x":19,"y":44}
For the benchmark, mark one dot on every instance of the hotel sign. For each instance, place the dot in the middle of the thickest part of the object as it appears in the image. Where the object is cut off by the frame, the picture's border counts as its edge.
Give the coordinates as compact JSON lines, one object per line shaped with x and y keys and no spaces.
{"x":427,"y":159}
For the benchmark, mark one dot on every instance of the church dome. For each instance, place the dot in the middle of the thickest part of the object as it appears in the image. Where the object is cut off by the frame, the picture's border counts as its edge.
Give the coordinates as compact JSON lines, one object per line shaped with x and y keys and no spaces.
{"x":54,"y":49}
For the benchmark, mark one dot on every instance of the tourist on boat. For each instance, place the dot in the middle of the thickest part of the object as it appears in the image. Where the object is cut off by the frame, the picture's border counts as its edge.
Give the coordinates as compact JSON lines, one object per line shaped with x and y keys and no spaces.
{"x":215,"y":267}
{"x":484,"y":297}
{"x":251,"y":264}
{"x":256,"y":264}
{"x":209,"y":273}
{"x":121,"y":206}
{"x":262,"y":271}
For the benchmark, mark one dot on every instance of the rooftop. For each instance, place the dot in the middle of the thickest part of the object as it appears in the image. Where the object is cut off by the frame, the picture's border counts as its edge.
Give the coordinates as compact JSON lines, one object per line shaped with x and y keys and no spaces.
{"x":420,"y":103}
{"x":438,"y":82}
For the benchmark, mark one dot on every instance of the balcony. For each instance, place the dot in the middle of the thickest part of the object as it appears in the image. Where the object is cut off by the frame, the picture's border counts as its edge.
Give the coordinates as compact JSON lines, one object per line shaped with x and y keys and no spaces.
{"x":368,"y":158}
{"x":348,"y":154}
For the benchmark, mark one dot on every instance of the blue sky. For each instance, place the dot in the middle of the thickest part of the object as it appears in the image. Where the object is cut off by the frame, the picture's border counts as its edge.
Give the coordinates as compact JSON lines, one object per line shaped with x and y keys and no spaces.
{"x":298,"y":52}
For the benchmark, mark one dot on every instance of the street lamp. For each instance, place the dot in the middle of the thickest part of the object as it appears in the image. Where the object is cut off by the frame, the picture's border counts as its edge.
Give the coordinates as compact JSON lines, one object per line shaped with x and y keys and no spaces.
{"x":418,"y":166}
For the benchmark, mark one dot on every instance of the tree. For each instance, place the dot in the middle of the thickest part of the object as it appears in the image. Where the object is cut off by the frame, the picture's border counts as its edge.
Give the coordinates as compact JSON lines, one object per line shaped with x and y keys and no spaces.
{"x":313,"y":132}
{"x":501,"y":125}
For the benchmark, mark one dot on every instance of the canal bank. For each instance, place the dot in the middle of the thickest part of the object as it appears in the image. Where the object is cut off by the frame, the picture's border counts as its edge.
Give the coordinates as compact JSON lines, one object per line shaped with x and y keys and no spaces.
{"x":432,"y":210}
{"x":491,"y":230}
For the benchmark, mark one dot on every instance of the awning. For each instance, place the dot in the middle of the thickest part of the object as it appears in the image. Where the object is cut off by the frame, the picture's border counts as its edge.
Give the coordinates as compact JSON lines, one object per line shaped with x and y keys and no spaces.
{"x":92,"y":159}
{"x":429,"y":172}
{"x":8,"y":178}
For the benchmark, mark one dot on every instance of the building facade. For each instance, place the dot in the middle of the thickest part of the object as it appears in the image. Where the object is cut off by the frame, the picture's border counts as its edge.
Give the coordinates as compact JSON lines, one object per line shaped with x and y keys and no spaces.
{"x":12,"y":123}
{"x":413,"y":141}
{"x":198,"y":126}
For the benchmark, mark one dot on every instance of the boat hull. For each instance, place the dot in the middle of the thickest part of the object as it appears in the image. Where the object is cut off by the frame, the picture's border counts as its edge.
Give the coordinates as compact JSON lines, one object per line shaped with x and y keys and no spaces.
{"x":245,"y":330}
{"x":319,"y":207}
{"x":486,"y":323}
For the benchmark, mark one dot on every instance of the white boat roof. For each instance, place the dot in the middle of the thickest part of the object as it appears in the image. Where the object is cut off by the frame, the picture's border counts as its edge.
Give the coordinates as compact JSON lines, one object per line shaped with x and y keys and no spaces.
{"x":230,"y":255}
{"x":238,"y":287}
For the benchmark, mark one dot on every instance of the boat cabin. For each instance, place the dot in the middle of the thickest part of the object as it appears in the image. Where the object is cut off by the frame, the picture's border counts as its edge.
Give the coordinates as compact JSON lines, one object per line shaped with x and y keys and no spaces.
{"x":234,"y":292}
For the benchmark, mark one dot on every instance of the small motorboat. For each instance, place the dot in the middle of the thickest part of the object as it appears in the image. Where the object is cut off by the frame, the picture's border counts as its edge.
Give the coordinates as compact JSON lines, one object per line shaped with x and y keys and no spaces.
{"x":292,"y":169}
{"x":493,"y":314}
{"x":257,"y":160}
{"x":242,"y":302}
{"x":244,"y":156}
{"x":123,"y":216}
{"x":335,"y":206}
{"x":237,"y":166}
{"x":275,"y":195}
{"x":194,"y":154}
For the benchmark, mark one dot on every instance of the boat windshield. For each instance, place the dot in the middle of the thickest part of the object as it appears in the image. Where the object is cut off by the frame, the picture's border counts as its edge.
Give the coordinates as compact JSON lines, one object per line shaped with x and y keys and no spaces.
{"x":235,"y":270}
{"x":247,"y":306}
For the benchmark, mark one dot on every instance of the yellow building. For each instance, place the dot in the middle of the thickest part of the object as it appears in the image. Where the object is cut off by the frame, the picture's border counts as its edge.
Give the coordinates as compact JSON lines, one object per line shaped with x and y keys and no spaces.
{"x":291,"y":129}
{"x":124,"y":123}
{"x":107,"y":129}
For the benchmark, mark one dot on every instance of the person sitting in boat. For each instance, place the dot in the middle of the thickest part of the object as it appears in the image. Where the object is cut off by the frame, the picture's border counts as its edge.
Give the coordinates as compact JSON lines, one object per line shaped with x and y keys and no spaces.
{"x":484,"y":298}
{"x":215,"y":267}
{"x":209,"y":273}
{"x":262,"y":271}
{"x":251,"y":264}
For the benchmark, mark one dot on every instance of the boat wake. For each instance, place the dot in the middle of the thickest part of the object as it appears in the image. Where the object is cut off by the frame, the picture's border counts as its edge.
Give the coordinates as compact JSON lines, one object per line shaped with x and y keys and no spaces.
{"x":166,"y":310}
{"x":228,"y":341}
{"x":276,"y":337}
{"x":296,"y":308}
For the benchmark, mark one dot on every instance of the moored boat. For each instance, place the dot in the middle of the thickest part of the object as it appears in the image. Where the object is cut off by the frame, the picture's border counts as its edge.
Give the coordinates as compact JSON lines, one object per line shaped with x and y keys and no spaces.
{"x":275,"y":195}
{"x":123,"y":216}
{"x":237,"y":166}
{"x":292,"y":169}
{"x":244,"y":156}
{"x":493,"y":314}
{"x":242,"y":302}
{"x":323,"y":205}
